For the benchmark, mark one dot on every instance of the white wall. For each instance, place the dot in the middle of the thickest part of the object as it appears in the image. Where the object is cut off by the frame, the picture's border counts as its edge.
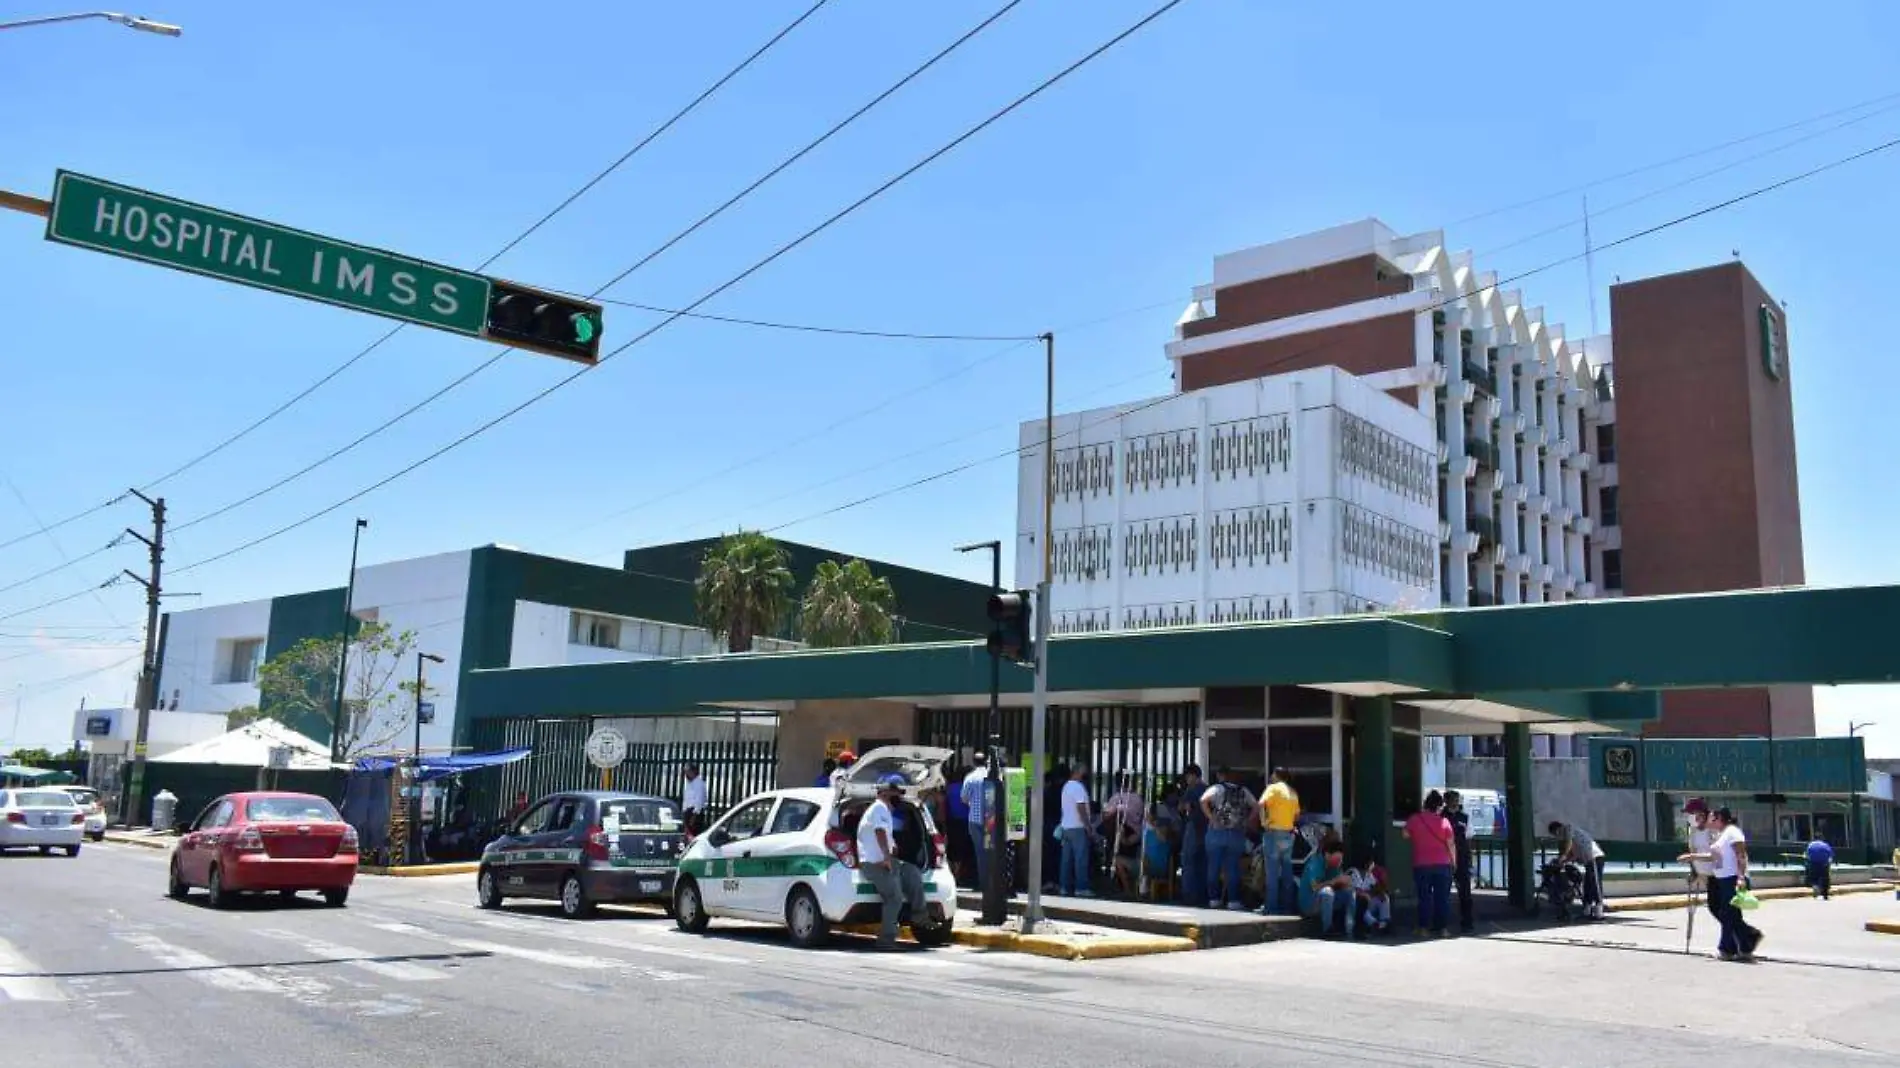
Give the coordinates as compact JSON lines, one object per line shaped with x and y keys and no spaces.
{"x":193,"y":643}
{"x":1234,"y":502}
{"x":427,"y":595}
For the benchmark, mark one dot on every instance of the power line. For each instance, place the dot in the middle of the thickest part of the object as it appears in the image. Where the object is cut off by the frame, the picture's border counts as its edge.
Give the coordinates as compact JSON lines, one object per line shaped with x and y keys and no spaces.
{"x":567,"y":202}
{"x":48,"y":528}
{"x":643,"y":261}
{"x":811,"y":329}
{"x":1627,"y":238}
{"x":773,"y":257}
{"x":1685,"y":157}
{"x":76,"y":595}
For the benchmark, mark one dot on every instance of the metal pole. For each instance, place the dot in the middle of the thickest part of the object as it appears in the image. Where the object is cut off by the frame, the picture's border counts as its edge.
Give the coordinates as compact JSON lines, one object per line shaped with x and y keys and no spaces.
{"x":148,"y":673}
{"x":343,"y":649}
{"x":1853,"y":797}
{"x":415,"y":769}
{"x":1039,"y":711}
{"x":133,"y":22}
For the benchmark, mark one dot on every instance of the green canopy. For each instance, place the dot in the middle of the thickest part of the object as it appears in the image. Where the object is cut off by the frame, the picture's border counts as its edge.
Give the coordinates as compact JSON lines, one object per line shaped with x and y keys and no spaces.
{"x":33,"y":776}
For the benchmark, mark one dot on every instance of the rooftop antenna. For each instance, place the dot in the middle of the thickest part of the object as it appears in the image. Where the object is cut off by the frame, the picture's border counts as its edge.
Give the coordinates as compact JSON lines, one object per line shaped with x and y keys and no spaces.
{"x":1589,"y":265}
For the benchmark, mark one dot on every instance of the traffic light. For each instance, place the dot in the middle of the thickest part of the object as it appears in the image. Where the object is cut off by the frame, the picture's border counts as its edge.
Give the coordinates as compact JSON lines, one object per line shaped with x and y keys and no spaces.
{"x":1012,"y":629}
{"x":544,"y":322}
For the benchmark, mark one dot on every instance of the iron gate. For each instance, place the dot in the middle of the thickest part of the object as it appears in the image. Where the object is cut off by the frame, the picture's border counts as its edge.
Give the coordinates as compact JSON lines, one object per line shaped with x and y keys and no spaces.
{"x":1150,"y":742}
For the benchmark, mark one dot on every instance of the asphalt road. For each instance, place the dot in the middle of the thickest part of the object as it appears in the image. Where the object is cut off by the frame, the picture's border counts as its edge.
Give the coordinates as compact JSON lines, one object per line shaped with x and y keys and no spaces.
{"x":98,"y":967}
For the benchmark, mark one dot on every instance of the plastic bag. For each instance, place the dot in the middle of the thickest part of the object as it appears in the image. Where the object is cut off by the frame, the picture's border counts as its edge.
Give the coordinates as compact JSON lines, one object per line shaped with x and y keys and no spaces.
{"x":1746,"y":900}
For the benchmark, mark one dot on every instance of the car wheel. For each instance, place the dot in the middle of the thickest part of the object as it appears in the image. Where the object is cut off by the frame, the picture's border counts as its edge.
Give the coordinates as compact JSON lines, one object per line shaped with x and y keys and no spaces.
{"x":575,"y":904}
{"x":72,"y":850}
{"x":97,"y":836}
{"x":805,"y":920}
{"x":932,"y":933}
{"x":176,"y":886}
{"x":488,"y":889}
{"x":214,"y":885}
{"x":336,"y":898}
{"x":689,"y":911}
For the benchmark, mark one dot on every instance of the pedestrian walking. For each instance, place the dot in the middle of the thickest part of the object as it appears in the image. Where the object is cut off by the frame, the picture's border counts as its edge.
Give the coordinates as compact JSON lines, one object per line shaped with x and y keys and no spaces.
{"x":1231,"y":811}
{"x":1820,"y":858}
{"x":1280,"y":814}
{"x":1728,"y":876}
{"x":1431,"y":836}
{"x":897,"y":880}
{"x":693,"y":799}
{"x":1700,"y":839}
{"x":1461,"y":858}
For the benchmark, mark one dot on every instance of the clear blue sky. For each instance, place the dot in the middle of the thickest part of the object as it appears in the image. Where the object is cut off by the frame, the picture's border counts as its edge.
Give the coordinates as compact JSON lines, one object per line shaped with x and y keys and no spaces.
{"x":441,"y":130}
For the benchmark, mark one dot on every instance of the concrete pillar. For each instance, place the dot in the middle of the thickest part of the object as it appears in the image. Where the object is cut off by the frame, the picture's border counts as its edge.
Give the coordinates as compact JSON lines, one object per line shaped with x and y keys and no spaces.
{"x":1372,"y":776}
{"x":1520,"y":827}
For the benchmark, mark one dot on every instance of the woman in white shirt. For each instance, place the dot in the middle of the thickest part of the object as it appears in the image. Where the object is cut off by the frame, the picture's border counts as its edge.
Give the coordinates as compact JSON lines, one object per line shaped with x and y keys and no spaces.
{"x":1728,"y":872}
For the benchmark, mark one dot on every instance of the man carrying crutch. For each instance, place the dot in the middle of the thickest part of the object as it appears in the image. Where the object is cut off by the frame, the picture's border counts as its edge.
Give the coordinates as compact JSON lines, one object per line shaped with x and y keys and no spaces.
{"x":1700,"y":839}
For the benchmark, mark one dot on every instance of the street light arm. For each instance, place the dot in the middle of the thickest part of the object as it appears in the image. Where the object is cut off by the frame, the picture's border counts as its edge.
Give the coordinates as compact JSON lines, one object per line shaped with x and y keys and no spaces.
{"x":134,"y":22}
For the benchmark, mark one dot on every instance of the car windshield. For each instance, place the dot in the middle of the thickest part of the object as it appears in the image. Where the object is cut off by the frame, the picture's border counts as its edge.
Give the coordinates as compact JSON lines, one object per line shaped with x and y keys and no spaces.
{"x":44,"y":799}
{"x":289,"y":808}
{"x":635,"y":814}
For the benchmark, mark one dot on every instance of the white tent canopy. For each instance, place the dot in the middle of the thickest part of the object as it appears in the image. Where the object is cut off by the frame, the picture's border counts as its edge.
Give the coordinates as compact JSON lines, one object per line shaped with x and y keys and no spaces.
{"x":250,"y":746}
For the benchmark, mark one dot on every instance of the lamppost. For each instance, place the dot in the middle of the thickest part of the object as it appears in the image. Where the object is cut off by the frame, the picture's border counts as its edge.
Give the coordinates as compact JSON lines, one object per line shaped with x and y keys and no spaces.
{"x":131,"y":22}
{"x":343,"y":648}
{"x":1853,"y":802}
{"x":996,"y":881}
{"x":415,"y":767}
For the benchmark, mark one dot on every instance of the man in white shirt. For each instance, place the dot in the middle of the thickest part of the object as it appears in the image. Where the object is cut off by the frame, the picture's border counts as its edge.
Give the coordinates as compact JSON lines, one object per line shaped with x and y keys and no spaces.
{"x":693,"y":799}
{"x":896,"y":879}
{"x":975,"y":793}
{"x":1076,"y":820}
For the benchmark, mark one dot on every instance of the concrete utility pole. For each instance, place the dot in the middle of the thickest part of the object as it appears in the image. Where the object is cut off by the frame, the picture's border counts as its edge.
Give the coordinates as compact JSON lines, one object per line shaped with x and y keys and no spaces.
{"x":1039,"y":713}
{"x":148,"y":673}
{"x":343,"y":648}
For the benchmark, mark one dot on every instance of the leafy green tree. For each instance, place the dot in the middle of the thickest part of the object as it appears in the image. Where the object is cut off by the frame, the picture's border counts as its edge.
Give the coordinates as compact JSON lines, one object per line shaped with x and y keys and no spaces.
{"x":847,"y":605}
{"x":744,"y":588}
{"x":32,"y":758}
{"x":297,"y":688}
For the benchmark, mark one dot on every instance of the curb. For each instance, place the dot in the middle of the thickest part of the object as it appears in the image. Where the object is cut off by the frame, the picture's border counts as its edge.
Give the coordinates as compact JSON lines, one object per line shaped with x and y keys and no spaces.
{"x":419,"y":871}
{"x":1059,"y":948}
{"x":1886,"y":927}
{"x":1782,"y":893}
{"x":147,"y":843}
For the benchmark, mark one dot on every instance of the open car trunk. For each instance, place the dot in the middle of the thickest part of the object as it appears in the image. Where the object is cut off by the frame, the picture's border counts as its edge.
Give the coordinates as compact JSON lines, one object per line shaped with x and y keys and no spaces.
{"x":916,"y":839}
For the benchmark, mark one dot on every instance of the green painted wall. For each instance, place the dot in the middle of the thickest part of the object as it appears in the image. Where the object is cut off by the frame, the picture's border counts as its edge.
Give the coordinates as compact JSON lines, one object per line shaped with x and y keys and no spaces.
{"x":935,"y":607}
{"x":317,"y":614}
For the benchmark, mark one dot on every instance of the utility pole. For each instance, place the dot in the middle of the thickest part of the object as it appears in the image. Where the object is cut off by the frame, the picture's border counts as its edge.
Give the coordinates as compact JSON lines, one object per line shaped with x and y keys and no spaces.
{"x":415,"y":767}
{"x":343,"y":649}
{"x":1854,"y":834}
{"x":1039,"y":712}
{"x":148,"y":673}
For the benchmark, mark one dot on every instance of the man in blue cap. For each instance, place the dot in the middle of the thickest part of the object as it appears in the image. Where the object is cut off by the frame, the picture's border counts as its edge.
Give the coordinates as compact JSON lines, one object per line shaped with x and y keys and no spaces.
{"x":896,"y":879}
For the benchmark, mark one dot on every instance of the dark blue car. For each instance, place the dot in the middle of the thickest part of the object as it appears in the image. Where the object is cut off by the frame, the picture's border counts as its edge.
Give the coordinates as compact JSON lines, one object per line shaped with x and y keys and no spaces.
{"x":586,"y":848}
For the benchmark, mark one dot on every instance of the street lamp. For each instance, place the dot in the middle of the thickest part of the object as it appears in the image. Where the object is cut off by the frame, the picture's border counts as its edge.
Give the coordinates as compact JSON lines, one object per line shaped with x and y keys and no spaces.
{"x":343,"y":647}
{"x":130,"y":22}
{"x":994,"y":887}
{"x":415,"y":767}
{"x":1853,"y":800}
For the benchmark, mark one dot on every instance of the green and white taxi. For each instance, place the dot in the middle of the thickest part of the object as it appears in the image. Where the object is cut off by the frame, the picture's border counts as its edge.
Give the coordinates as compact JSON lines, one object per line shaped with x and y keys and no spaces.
{"x":791,"y":856}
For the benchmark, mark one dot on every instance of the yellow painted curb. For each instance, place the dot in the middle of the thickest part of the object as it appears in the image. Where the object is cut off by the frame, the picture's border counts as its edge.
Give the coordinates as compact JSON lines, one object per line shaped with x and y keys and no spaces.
{"x":1891,"y":927}
{"x":148,"y":843}
{"x":1779,"y":893}
{"x":422,"y":870}
{"x":1061,"y":948}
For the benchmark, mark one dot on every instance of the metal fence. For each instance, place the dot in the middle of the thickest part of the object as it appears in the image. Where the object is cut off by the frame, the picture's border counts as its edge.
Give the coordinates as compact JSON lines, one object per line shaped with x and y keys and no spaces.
{"x":734,"y":770}
{"x":1150,"y":742}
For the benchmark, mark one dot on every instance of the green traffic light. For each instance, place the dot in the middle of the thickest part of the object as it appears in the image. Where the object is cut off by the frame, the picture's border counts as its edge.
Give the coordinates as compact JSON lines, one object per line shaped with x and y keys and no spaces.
{"x":584,"y":328}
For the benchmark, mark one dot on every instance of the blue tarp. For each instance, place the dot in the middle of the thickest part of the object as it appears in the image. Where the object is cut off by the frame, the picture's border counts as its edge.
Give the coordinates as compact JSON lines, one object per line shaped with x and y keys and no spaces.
{"x":437,"y":767}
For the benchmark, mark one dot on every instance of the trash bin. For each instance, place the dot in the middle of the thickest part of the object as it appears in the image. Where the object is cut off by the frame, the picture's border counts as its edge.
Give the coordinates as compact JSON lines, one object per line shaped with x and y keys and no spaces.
{"x":164,"y":809}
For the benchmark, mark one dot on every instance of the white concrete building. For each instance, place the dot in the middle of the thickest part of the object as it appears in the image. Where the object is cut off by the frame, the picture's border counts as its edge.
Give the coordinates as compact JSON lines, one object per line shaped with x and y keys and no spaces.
{"x":1309,"y":493}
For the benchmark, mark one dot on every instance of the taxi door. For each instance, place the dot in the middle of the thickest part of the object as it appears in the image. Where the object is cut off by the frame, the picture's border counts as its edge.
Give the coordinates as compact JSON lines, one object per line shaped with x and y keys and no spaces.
{"x":732,"y":871}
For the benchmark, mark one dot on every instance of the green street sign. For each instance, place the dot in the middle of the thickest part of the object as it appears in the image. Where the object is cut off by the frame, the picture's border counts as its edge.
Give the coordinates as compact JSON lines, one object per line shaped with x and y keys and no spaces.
{"x":108,"y":217}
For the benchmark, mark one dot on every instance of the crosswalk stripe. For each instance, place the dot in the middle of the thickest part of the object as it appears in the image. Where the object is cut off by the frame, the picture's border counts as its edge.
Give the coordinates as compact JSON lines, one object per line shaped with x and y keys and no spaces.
{"x":205,"y":969}
{"x":362,"y":959}
{"x":18,"y":981}
{"x":552,"y":930}
{"x":564,"y":960}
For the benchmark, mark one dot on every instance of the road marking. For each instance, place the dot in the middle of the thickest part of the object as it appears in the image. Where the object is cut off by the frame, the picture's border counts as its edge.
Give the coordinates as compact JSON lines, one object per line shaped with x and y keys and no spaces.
{"x":205,"y":969}
{"x":552,"y":930}
{"x":18,"y":980}
{"x":402,"y":971}
{"x":566,"y":960}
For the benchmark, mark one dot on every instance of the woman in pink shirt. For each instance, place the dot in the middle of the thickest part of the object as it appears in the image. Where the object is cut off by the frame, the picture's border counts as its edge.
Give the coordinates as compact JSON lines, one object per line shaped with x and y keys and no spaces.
{"x":1431,"y":836}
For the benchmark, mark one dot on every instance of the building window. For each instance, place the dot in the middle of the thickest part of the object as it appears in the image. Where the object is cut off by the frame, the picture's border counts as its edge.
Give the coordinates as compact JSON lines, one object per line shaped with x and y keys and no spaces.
{"x":600,"y":632}
{"x":1607,"y":506}
{"x":1612,"y":569}
{"x":241,"y":660}
{"x":1606,"y":443}
{"x":1589,"y":567}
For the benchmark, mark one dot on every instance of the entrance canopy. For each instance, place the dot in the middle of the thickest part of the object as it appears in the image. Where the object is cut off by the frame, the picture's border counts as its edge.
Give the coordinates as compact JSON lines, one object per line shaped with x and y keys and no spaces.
{"x":1576,"y":666}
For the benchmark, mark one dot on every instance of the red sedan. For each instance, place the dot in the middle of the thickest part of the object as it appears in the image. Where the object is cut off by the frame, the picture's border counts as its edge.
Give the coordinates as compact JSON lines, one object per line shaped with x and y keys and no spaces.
{"x":254,"y":842}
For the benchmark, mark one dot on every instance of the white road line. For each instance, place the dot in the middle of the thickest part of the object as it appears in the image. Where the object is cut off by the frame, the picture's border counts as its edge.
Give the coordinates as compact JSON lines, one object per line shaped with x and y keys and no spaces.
{"x":553,"y":930}
{"x":363,"y":959}
{"x":565,"y":960}
{"x":205,"y":969}
{"x":18,"y":981}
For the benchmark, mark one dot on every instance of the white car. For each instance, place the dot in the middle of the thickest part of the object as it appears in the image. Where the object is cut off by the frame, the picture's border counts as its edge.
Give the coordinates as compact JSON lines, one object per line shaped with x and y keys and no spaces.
{"x":43,"y":816}
{"x":791,"y":856}
{"x":87,"y":799}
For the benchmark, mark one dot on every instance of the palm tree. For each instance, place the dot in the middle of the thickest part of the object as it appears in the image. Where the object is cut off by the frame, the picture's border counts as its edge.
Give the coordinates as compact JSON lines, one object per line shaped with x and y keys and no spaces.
{"x":744,"y":588}
{"x":846,"y":606}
